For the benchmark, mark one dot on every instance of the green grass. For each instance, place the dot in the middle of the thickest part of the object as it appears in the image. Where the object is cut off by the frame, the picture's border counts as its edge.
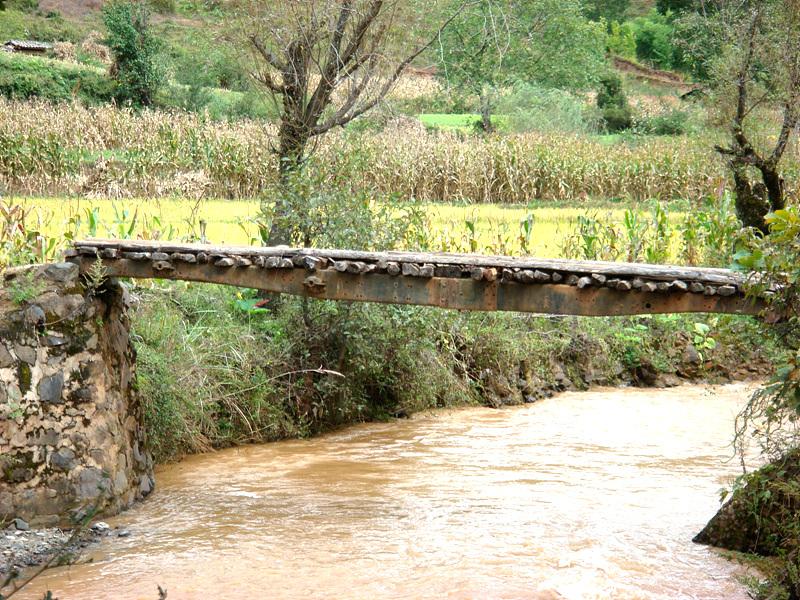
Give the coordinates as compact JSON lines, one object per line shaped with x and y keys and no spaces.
{"x":16,"y":24}
{"x":23,"y":77}
{"x":218,"y":103}
{"x":458,"y":122}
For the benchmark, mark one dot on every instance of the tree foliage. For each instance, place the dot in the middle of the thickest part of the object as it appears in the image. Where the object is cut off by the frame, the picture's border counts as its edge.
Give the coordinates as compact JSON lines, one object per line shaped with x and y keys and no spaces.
{"x":496,"y":43}
{"x":675,"y":6}
{"x":757,"y":77}
{"x":326,"y":62}
{"x":773,"y":414}
{"x":136,"y":70}
{"x":610,"y":10}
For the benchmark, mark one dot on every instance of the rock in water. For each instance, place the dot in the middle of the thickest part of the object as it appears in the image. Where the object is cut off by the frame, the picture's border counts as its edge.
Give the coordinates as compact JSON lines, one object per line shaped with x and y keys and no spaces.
{"x":100,"y":527}
{"x":21,"y":525}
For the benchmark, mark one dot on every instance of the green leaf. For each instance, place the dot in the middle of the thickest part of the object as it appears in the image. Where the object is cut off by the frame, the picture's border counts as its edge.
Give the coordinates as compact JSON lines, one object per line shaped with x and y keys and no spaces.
{"x":248,"y":305}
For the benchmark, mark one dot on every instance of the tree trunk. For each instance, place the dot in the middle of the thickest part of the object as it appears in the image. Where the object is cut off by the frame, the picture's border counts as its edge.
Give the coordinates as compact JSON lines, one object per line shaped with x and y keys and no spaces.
{"x":291,"y":154}
{"x":755,"y":200}
{"x":486,"y":112}
{"x":751,"y":201}
{"x":776,"y":188}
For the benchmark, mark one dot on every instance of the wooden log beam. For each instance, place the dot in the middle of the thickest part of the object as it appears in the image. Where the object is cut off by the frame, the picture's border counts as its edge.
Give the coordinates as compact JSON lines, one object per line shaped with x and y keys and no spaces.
{"x":598,"y":271}
{"x":464,"y":293}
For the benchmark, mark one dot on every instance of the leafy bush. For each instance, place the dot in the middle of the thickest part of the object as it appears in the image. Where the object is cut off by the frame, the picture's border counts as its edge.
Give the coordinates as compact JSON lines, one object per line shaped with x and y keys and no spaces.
{"x":674,"y":6}
{"x":610,"y":94}
{"x":610,"y":10}
{"x":196,"y":59}
{"x":611,"y":100}
{"x":654,"y":40}
{"x":331,"y":214}
{"x":192,"y":98}
{"x":617,"y":119}
{"x":136,"y":71}
{"x":671,"y":123}
{"x":773,"y":413}
{"x":218,"y":104}
{"x":532,"y":108}
{"x":622,"y":40}
{"x":23,"y":77}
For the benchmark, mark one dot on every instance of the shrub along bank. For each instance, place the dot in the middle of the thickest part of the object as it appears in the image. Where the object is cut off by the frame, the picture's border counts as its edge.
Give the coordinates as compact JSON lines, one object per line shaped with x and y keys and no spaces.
{"x":214,"y":372}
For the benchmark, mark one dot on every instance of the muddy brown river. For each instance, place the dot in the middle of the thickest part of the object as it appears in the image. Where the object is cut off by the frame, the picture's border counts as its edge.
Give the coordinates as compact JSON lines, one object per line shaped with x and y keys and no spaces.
{"x":585,"y":495}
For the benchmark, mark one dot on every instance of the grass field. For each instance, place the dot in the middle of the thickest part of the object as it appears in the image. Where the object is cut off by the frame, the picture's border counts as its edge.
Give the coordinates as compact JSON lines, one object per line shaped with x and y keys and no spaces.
{"x":458,"y":122}
{"x":485,"y":228}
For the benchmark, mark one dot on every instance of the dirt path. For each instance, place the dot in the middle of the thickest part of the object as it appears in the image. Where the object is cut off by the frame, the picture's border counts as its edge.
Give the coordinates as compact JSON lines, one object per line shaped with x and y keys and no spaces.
{"x":655,"y":76}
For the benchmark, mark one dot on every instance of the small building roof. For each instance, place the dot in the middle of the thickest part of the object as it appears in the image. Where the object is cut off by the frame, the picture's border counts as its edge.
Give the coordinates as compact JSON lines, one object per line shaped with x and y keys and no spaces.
{"x":27,"y":45}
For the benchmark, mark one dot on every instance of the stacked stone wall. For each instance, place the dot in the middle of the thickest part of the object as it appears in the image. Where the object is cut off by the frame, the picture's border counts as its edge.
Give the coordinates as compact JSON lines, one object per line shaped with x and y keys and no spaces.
{"x":71,"y":434}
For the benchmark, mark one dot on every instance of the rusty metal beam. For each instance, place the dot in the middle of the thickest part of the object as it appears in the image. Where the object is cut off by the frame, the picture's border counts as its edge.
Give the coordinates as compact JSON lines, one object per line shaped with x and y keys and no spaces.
{"x":443,"y":292}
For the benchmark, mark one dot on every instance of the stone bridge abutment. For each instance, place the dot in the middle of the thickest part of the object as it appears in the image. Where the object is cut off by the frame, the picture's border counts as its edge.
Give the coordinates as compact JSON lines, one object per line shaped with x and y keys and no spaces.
{"x":71,"y":431}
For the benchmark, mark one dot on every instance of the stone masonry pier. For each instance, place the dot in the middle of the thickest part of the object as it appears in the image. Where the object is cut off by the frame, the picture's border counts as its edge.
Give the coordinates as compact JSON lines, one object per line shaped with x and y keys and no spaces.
{"x":71,"y":433}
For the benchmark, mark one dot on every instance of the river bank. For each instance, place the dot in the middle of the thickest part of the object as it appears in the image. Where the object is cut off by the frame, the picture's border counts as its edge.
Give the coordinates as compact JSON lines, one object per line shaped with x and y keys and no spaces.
{"x":213,"y":371}
{"x":22,"y":548}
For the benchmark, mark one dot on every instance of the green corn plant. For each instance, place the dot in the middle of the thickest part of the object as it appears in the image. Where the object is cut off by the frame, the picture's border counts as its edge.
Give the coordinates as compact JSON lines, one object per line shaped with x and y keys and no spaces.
{"x":125,"y":223}
{"x":635,"y":232}
{"x":657,"y":250}
{"x":471,"y":234}
{"x":526,"y":233}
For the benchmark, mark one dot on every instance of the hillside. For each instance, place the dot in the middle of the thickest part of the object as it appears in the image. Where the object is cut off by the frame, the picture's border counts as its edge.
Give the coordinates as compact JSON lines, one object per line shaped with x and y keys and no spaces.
{"x":208,"y":64}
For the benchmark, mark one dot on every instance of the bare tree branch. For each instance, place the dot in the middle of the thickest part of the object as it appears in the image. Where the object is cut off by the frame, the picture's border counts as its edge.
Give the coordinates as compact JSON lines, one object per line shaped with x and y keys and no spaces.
{"x":342,"y":117}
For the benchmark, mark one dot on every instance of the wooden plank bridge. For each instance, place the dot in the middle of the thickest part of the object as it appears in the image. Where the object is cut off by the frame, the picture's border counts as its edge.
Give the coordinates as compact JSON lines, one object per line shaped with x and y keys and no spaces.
{"x":456,"y":281}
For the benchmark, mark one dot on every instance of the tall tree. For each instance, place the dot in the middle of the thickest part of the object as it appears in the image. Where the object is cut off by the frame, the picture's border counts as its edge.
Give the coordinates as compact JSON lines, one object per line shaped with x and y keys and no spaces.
{"x":760,"y":73}
{"x":610,"y":10}
{"x":495,"y":43}
{"x":675,"y":6}
{"x":325,"y":63}
{"x":136,"y":70}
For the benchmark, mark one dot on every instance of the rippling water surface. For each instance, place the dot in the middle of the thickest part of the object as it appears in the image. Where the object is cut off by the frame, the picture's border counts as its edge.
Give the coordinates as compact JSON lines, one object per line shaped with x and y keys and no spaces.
{"x":586,"y":495}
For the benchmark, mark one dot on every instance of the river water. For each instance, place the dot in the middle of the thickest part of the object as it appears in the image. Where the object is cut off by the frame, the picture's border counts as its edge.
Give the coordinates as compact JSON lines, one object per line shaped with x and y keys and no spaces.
{"x":585,"y":495}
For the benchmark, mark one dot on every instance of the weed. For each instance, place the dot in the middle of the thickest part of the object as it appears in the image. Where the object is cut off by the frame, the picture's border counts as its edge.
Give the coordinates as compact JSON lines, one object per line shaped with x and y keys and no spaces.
{"x":702,"y":340}
{"x":24,"y":288}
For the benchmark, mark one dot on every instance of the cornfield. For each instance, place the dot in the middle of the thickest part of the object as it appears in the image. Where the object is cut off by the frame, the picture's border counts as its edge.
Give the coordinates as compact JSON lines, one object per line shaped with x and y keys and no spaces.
{"x":113,"y":153}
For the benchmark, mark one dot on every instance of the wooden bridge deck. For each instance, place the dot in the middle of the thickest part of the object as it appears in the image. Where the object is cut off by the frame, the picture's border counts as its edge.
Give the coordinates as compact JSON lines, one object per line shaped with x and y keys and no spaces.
{"x":457,"y":281}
